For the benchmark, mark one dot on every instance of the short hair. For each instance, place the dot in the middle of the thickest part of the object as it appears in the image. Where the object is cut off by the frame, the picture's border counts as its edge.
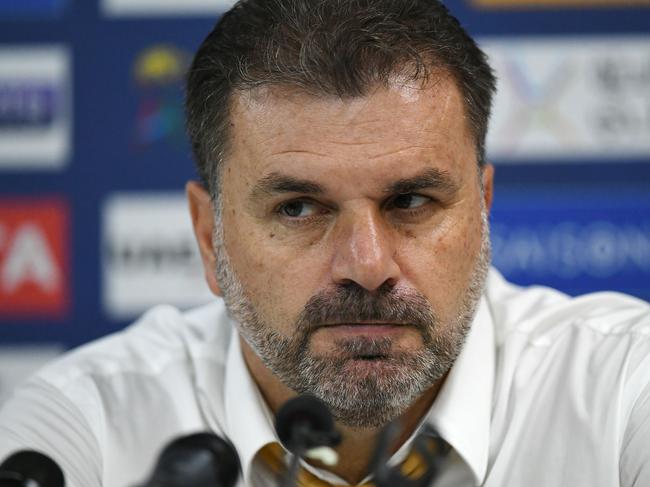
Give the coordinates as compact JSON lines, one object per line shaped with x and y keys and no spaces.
{"x":340,"y":48}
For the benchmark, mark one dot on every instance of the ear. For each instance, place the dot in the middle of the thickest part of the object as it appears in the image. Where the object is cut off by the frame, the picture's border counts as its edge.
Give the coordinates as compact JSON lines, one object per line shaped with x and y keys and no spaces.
{"x":487,"y":177}
{"x":202,"y":214}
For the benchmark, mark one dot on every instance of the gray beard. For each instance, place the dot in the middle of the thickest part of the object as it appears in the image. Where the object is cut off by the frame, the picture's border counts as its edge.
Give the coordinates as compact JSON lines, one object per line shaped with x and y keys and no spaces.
{"x":358,"y":396}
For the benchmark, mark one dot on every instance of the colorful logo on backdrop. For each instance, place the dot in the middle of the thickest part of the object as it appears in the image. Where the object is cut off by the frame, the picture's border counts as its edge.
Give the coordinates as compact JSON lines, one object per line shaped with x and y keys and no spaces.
{"x":558,"y":3}
{"x":34,"y":265}
{"x":150,"y":256}
{"x":570,"y":98}
{"x":147,"y":8}
{"x":35,"y":111}
{"x":592,"y":242}
{"x":13,"y":9}
{"x":159,"y":72}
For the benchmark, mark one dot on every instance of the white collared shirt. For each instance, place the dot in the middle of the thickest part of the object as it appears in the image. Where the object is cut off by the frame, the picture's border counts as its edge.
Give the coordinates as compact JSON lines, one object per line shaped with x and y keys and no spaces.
{"x":548,"y":391}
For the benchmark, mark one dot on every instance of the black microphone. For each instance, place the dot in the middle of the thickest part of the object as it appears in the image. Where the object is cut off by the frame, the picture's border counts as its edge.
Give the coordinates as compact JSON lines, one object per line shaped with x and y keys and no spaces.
{"x":304,"y":423}
{"x":427,"y":444}
{"x":197,"y":460}
{"x":29,"y":468}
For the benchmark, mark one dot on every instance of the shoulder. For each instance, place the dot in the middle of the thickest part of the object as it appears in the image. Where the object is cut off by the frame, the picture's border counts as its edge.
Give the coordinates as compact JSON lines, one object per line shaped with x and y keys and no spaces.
{"x":600,"y":341}
{"x":163,"y":337}
{"x":543,"y":314}
{"x":154,"y":361}
{"x":97,"y":404}
{"x":547,"y":340}
{"x":572,"y":382}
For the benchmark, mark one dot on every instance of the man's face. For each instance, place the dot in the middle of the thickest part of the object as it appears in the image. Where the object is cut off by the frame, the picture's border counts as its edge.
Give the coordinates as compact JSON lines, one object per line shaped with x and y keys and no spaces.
{"x":353,"y":246}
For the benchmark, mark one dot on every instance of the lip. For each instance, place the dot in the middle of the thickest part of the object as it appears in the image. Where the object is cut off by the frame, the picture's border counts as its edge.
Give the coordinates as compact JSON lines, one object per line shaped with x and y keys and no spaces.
{"x":365,"y":329}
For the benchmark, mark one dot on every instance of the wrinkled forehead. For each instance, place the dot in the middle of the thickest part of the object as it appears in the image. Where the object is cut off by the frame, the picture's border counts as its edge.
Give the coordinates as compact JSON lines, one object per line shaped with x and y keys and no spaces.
{"x":414,"y":108}
{"x":394,"y":131}
{"x":405,"y":82}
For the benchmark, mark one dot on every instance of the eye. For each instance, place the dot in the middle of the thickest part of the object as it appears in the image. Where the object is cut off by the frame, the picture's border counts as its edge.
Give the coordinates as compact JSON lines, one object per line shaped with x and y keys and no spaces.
{"x":409,"y":201}
{"x":297,"y":209}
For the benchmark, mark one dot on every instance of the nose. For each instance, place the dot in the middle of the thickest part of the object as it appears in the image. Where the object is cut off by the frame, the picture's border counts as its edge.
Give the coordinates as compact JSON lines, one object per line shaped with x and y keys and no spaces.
{"x":365,"y":251}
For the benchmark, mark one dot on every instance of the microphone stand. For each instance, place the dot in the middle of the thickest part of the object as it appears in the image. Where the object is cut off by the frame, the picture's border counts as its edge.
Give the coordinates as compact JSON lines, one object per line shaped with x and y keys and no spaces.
{"x":289,"y":480}
{"x":385,"y":476}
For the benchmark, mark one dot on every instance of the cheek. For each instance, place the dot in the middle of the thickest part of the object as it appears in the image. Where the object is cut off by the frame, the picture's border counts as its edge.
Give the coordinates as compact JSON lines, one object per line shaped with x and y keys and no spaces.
{"x":278,"y":279}
{"x":440,"y":262}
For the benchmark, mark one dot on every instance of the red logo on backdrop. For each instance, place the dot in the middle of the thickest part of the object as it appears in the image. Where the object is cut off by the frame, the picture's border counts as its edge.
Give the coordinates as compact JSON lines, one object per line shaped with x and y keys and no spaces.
{"x":34,"y":266}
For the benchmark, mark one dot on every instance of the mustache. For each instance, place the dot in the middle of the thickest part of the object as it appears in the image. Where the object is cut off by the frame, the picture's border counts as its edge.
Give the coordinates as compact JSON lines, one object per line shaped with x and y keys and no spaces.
{"x":350,"y":303}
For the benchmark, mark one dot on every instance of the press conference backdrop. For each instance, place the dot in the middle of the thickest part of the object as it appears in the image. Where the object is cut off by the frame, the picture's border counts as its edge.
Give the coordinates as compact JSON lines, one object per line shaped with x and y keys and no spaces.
{"x":93,"y":158}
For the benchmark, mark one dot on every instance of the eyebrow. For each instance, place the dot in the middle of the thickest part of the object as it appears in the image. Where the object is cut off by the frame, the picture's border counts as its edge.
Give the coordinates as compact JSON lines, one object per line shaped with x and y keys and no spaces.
{"x":430,"y":178}
{"x":276,"y":182}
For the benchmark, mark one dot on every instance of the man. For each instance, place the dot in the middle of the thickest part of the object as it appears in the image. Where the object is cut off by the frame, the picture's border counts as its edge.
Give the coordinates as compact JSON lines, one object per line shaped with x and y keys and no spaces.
{"x":343,"y":219}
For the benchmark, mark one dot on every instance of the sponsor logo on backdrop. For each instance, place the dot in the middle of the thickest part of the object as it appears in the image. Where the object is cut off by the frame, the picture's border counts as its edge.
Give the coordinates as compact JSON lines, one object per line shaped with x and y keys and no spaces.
{"x":31,"y":8}
{"x":558,"y":3}
{"x":34,"y":265}
{"x":35,"y":107}
{"x":569,"y":249}
{"x":149,"y":254}
{"x":159,"y":72}
{"x":589,"y":239}
{"x":141,"y":8}
{"x":18,"y":363}
{"x":570,"y":98}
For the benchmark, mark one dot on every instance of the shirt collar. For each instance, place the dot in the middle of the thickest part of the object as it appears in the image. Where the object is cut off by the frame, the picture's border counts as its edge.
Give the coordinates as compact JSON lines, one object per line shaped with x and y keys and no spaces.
{"x":462,"y":410}
{"x":249,"y":420}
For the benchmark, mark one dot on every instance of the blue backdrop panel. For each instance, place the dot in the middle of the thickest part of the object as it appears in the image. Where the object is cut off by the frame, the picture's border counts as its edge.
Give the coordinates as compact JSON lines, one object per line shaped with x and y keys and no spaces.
{"x":577,"y":225}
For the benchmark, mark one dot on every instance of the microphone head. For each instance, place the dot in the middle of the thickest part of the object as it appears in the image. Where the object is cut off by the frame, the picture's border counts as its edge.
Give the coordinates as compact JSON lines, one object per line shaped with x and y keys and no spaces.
{"x":29,"y":467}
{"x":199,"y":460}
{"x":304,"y":422}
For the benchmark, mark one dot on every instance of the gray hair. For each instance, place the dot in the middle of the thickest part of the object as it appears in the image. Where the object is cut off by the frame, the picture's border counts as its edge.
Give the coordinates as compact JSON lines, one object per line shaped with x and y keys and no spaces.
{"x":335,"y":48}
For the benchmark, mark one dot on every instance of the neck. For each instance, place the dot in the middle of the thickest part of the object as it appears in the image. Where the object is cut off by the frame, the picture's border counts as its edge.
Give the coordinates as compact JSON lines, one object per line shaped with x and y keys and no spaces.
{"x":358,"y":444}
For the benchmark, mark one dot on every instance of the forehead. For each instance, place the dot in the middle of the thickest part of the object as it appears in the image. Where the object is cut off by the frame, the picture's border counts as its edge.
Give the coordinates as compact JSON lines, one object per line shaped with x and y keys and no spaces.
{"x":272,"y":125}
